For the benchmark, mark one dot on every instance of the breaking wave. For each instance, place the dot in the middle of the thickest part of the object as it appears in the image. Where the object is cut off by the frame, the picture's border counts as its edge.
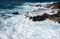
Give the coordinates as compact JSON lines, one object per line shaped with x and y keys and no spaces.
{"x":19,"y":27}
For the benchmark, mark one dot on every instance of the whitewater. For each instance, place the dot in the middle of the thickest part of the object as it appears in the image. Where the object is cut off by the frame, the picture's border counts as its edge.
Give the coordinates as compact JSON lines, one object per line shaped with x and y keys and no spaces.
{"x":19,"y":27}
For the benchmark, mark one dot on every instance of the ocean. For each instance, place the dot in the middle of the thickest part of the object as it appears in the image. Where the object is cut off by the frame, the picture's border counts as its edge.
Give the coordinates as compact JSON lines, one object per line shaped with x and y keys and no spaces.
{"x":11,"y":4}
{"x":19,"y":27}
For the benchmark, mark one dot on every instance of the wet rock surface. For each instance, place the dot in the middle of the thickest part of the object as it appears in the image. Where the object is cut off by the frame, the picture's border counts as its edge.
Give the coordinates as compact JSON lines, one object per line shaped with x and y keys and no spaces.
{"x":54,"y":17}
{"x":15,"y":13}
{"x":39,"y":17}
{"x":55,"y":5}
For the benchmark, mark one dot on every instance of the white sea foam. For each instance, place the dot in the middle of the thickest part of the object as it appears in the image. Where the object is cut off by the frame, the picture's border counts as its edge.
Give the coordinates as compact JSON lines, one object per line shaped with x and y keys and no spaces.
{"x":19,"y":27}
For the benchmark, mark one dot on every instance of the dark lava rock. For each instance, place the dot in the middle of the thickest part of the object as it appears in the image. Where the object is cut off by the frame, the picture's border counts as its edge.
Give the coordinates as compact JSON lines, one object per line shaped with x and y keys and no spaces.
{"x":15,"y":13}
{"x":54,"y":17}
{"x":38,"y":18}
{"x":45,"y":15}
{"x":30,"y":17}
{"x":59,"y":22}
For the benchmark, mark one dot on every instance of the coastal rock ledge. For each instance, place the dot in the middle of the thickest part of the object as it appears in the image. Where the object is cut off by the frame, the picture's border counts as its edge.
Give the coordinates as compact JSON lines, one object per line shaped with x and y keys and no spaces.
{"x":53,"y":17}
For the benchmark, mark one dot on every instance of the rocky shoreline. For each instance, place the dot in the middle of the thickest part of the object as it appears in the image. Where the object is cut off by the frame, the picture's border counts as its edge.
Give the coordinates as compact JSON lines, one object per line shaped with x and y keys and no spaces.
{"x":56,"y":17}
{"x":53,"y":17}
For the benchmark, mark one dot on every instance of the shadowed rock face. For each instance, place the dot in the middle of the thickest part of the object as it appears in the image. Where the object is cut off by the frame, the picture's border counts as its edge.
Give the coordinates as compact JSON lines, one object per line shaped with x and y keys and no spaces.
{"x":39,"y":18}
{"x":54,"y":17}
{"x":55,"y":5}
{"x":59,"y":22}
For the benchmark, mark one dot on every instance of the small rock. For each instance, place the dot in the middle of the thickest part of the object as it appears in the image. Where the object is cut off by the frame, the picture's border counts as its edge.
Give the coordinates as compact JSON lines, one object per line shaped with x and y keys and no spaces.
{"x":30,"y":17}
{"x":38,"y":5}
{"x":58,"y":22}
{"x":15,"y":13}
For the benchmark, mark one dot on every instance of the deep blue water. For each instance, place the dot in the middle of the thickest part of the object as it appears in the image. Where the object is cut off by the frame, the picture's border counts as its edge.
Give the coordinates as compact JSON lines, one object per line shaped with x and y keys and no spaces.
{"x":9,"y":4}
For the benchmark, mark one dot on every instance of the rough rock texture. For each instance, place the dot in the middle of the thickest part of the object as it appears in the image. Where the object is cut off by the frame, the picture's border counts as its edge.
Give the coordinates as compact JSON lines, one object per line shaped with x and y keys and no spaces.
{"x":55,"y":5}
{"x":54,"y":17}
{"x":39,"y":17}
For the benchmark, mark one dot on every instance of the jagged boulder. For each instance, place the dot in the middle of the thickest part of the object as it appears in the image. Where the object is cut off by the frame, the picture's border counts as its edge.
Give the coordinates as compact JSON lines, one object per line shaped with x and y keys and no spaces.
{"x":45,"y":15}
{"x":39,"y":18}
{"x":54,"y":17}
{"x":55,"y":5}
